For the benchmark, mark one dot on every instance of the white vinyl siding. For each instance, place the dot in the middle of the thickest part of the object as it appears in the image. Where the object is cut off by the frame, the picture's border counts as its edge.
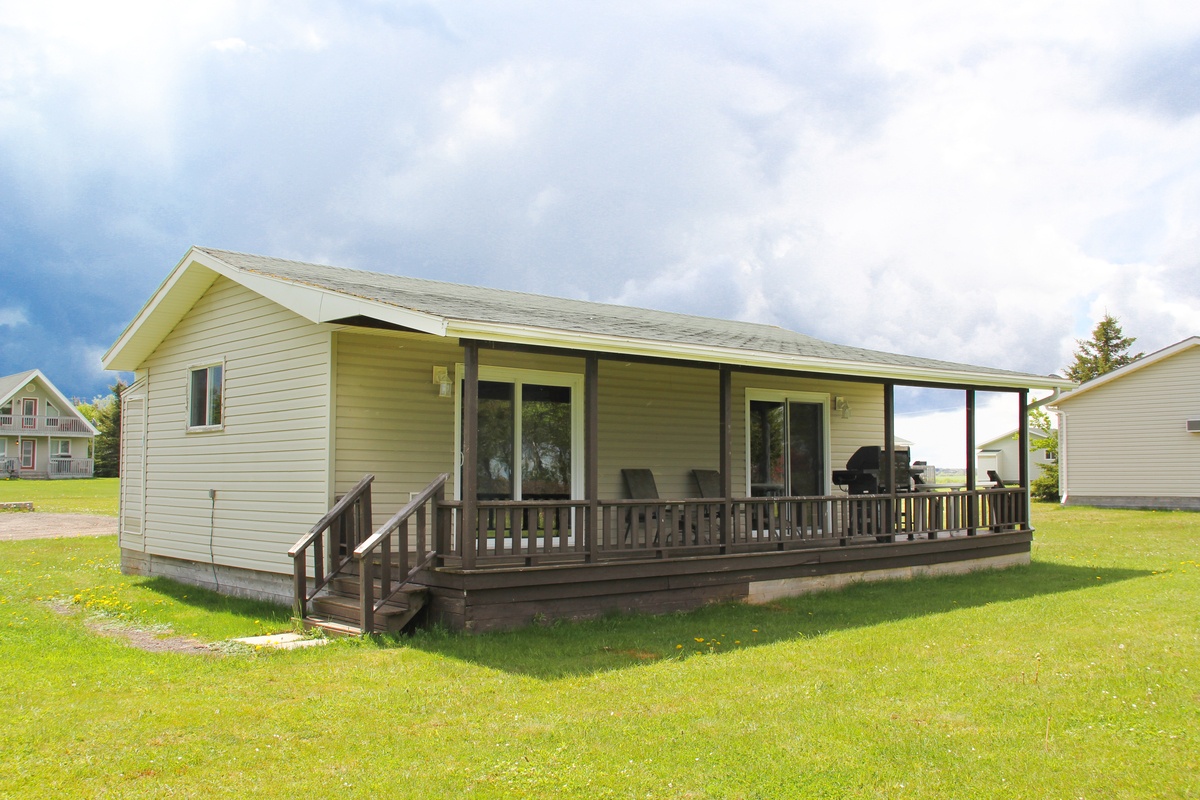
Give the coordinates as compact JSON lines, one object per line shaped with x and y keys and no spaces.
{"x":666,"y":419}
{"x":1127,"y":438}
{"x":390,"y":420}
{"x":863,"y":427}
{"x":269,"y":464}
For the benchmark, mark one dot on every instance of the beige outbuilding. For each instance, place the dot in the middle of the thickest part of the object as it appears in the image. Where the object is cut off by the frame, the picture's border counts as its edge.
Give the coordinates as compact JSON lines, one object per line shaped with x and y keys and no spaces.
{"x":1131,"y":438}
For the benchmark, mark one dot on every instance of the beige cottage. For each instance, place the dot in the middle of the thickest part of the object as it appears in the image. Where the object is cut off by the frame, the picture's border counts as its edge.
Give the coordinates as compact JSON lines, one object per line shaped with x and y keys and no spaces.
{"x":267,"y":389}
{"x":1131,"y":438}
{"x":42,"y":435}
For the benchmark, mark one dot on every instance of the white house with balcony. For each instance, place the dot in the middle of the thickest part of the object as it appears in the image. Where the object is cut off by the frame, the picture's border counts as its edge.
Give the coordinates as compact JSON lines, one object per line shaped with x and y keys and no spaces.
{"x":42,"y":435}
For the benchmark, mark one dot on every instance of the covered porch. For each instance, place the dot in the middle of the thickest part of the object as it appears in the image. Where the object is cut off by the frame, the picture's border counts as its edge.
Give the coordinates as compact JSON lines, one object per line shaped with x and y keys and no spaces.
{"x":487,"y":553}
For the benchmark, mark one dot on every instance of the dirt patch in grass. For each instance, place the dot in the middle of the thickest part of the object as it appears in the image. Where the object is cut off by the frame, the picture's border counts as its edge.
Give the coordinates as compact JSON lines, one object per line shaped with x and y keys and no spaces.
{"x":141,"y":638}
{"x":150,"y":641}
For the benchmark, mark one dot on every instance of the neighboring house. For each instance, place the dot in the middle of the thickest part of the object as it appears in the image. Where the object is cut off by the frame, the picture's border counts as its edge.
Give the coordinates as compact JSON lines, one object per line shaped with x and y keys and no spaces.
{"x":1003,"y":455}
{"x":1131,"y":438}
{"x":266,"y":389}
{"x":42,"y":435}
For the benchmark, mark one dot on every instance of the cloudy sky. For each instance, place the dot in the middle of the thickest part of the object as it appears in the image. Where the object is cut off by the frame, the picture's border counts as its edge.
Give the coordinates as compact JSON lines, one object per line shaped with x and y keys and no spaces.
{"x":971,"y":181}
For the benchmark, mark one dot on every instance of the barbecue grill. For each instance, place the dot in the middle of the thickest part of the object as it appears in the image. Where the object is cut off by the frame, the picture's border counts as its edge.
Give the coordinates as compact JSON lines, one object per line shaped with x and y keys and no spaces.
{"x":865,"y":473}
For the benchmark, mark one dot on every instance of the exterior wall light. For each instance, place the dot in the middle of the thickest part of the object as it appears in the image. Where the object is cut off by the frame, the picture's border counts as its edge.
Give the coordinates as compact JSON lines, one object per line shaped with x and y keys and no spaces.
{"x":441,"y":377}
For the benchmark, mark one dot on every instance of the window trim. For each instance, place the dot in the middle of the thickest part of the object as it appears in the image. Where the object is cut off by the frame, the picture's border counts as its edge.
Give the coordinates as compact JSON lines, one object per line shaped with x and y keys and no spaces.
{"x":784,"y":395}
{"x":518,"y":376}
{"x":187,"y":420}
{"x":54,"y":450}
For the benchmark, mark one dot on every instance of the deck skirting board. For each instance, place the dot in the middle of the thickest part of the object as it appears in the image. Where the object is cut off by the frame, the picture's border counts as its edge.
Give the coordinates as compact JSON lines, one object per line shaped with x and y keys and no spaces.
{"x":498,"y":599}
{"x":769,"y":591}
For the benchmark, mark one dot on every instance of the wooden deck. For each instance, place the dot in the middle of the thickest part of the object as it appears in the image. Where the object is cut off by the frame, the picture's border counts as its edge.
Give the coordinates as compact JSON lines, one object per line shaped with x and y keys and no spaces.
{"x":512,"y":562}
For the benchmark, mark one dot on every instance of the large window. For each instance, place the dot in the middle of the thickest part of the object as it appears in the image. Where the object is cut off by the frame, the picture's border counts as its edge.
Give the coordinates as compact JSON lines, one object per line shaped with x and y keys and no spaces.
{"x":205,"y":396}
{"x":787,"y":451}
{"x":529,"y":425}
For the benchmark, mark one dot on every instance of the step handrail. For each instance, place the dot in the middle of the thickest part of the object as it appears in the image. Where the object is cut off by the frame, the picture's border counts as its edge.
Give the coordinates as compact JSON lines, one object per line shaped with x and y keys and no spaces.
{"x":428,"y":546}
{"x":358,"y":498}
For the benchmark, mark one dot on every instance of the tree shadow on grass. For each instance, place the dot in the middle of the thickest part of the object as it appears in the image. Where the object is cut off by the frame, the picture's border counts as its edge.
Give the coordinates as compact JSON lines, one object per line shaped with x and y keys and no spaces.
{"x":620,"y":641}
{"x":206,"y":599}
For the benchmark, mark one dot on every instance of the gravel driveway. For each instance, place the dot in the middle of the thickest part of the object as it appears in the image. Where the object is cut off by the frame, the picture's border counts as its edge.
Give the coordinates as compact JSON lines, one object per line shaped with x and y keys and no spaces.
{"x":36,"y":525}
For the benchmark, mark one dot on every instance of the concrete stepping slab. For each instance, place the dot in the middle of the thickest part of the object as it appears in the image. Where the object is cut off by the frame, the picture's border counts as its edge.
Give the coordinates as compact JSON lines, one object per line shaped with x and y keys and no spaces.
{"x":282,"y":641}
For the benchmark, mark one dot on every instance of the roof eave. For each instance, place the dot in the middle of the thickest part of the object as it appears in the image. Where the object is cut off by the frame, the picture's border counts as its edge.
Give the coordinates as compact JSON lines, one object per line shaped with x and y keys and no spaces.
{"x":620,"y":345}
{"x":197,"y":271}
{"x":1155,"y":357}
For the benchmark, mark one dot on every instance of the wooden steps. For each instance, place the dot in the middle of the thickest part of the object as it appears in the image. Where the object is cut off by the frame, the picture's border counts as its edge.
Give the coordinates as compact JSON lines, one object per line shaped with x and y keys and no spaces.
{"x":337,"y":611}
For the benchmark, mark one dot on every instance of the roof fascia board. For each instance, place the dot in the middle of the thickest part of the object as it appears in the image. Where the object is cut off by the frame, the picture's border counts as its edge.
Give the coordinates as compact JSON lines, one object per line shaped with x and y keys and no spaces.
{"x":313,"y":303}
{"x":128,"y":352}
{"x":1034,"y":433}
{"x":688,"y":352}
{"x":1117,"y":374}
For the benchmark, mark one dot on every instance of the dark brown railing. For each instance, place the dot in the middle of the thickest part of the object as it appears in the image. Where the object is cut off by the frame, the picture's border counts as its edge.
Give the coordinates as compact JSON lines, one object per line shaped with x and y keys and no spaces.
{"x":508,"y":532}
{"x":333,"y":541}
{"x":389,"y":552}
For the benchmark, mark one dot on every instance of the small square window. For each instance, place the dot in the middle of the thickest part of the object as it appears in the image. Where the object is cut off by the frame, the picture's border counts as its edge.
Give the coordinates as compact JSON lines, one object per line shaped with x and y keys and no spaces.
{"x":61,"y":448}
{"x":205,"y":397}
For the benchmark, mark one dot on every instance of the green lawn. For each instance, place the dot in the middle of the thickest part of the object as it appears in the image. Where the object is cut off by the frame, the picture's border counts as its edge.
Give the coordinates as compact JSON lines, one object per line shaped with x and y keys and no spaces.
{"x":73,"y":496}
{"x":1078,"y":676}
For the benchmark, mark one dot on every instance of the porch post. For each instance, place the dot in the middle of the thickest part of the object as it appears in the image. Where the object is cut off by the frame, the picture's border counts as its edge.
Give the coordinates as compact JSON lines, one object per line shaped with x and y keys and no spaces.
{"x":591,"y":451}
{"x":1023,"y":446}
{"x":972,"y":506}
{"x":889,"y":452}
{"x":467,"y":537}
{"x":726,"y":454}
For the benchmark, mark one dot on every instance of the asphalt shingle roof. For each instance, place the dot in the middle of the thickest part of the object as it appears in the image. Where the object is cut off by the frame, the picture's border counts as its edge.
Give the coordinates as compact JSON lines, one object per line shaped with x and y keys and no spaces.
{"x":478,"y":304}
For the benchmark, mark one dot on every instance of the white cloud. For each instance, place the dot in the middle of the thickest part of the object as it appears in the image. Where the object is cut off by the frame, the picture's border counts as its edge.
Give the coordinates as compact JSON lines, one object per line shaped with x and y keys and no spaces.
{"x":12,"y":317}
{"x":975,"y":182}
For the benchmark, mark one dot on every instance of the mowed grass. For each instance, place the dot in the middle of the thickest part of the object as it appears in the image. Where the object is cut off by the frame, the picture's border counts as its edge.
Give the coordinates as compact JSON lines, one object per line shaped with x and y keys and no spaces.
{"x":67,"y":496}
{"x":1077,"y":676}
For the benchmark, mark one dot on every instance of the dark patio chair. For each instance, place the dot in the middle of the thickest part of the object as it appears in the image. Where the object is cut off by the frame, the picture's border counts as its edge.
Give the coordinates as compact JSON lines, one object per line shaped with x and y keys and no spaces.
{"x":994,"y":505}
{"x":709,"y":481}
{"x":641,"y":486}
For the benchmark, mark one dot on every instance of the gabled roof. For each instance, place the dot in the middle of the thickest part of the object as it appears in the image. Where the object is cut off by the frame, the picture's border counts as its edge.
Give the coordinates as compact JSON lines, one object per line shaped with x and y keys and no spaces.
{"x":11,"y":386}
{"x":1034,"y":433}
{"x":325,"y":294}
{"x":1117,"y":374}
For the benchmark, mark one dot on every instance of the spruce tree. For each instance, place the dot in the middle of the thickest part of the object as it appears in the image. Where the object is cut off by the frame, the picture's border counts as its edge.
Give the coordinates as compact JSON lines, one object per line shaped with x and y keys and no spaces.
{"x":107,"y":448}
{"x":1108,"y":349}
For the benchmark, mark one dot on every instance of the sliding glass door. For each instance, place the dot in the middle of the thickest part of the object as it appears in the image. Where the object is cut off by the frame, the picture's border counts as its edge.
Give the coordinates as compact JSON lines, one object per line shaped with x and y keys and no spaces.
{"x":787,"y":447}
{"x":529,"y":426}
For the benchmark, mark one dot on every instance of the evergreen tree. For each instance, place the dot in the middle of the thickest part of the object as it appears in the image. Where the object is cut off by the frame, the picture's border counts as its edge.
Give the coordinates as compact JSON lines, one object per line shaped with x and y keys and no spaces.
{"x":107,"y":449}
{"x":1108,"y":349}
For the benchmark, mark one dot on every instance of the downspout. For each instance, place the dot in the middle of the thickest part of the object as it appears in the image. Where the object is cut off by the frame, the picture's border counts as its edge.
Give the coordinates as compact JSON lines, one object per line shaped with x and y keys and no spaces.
{"x":1048,"y":401}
